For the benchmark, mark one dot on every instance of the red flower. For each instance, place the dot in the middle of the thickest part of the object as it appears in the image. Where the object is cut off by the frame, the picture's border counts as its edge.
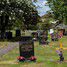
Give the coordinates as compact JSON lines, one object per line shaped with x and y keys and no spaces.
{"x":21,"y":58}
{"x":32,"y":58}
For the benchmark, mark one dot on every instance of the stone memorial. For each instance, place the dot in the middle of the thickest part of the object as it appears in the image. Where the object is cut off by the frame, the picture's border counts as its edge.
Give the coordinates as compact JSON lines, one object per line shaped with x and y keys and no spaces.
{"x":43,"y":38}
{"x":26,"y":48}
{"x":18,"y":33}
{"x":8,"y":35}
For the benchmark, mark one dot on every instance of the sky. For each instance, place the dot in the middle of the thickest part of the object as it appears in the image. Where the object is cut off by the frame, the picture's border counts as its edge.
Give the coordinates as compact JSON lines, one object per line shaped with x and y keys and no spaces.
{"x":41,"y":8}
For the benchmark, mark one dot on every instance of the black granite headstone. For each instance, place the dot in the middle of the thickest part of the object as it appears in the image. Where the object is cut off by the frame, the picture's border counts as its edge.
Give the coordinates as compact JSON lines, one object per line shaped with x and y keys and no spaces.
{"x":26,"y":47}
{"x":8,"y":35}
{"x":2,"y":36}
{"x":18,"y":33}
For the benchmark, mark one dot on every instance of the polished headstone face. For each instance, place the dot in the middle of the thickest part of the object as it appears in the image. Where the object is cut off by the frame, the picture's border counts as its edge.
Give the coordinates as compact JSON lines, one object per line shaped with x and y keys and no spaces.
{"x":26,"y":47}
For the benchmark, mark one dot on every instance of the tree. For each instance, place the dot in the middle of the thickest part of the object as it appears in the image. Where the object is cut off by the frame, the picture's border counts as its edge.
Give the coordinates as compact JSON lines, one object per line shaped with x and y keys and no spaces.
{"x":13,"y":10}
{"x":59,"y":10}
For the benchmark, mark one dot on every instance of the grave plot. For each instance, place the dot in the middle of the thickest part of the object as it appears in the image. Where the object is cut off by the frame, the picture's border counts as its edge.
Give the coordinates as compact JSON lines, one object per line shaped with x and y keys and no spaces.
{"x":26,"y":48}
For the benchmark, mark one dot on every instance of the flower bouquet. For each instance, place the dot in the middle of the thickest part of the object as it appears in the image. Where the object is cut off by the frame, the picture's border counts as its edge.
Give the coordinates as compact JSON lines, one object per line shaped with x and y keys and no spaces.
{"x":32,"y":58}
{"x":21,"y":58}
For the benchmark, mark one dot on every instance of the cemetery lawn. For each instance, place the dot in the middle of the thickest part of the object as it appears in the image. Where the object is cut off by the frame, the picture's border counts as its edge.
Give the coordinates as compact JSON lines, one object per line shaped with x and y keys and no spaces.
{"x":46,"y":56}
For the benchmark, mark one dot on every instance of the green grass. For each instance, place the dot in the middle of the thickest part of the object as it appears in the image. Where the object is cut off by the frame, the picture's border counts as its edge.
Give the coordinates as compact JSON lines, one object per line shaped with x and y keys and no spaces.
{"x":46,"y":56}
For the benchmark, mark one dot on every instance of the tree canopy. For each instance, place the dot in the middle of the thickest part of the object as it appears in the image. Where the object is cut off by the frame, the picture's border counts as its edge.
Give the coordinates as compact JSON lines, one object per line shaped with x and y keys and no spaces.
{"x":19,"y":9}
{"x":13,"y":12}
{"x":59,"y":9}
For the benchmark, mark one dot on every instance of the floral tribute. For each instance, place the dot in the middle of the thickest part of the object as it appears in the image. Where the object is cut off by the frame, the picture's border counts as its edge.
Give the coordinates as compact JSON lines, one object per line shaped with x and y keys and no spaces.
{"x":21,"y":58}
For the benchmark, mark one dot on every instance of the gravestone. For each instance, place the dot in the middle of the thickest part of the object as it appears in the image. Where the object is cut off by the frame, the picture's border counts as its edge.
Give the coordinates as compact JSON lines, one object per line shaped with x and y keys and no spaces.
{"x":8,"y":35}
{"x":43,"y":38}
{"x":26,"y":47}
{"x":18,"y":33}
{"x":2,"y":36}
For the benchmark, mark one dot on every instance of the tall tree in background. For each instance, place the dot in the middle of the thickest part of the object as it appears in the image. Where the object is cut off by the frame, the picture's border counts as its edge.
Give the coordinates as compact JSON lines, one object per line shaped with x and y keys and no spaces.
{"x":13,"y":10}
{"x":59,"y":10}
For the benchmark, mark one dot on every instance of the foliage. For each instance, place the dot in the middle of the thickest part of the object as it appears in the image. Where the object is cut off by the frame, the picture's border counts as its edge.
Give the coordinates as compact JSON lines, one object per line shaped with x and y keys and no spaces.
{"x":17,"y":13}
{"x":46,"y":26}
{"x":45,"y":21}
{"x":59,"y":9}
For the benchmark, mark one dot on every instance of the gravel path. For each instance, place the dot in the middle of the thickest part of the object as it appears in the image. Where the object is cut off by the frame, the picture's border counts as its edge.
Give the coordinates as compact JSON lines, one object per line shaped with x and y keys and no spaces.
{"x":8,"y":48}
